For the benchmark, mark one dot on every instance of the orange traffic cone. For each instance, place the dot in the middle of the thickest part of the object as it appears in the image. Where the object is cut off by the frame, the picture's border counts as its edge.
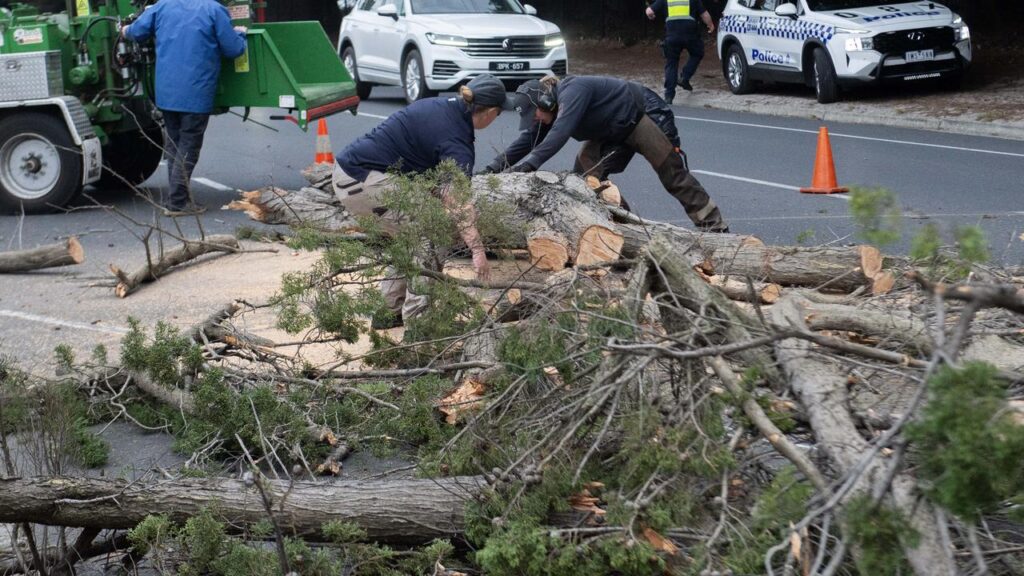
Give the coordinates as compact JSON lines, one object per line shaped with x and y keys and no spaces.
{"x":824,"y":181}
{"x":323,"y":144}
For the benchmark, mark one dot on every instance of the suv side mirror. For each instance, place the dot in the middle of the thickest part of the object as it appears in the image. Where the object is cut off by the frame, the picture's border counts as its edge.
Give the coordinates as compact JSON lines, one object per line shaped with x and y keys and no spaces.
{"x":530,"y":10}
{"x":786,"y":10}
{"x":388,"y":10}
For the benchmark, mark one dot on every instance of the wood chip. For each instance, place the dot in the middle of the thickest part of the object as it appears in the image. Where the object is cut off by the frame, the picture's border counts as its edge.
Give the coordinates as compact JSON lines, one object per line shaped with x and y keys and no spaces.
{"x":659,"y":542}
{"x":465,"y":398}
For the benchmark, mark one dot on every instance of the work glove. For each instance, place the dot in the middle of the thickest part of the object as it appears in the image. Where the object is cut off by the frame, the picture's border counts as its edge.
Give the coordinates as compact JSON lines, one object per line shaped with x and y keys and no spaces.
{"x":524,"y":167}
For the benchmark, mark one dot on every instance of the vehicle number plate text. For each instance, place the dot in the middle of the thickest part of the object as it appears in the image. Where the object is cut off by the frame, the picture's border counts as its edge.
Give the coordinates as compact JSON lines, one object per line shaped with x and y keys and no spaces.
{"x":510,"y":66}
{"x":920,"y":55}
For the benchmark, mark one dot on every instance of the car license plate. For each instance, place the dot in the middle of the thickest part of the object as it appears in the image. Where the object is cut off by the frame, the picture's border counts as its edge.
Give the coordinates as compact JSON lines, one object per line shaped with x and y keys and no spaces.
{"x":510,"y":66}
{"x":920,"y":55}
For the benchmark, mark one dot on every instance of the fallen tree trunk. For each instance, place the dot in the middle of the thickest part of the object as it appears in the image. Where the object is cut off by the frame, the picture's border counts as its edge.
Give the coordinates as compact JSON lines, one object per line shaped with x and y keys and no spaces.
{"x":128,"y":283}
{"x":68,"y":253}
{"x":305,"y":207}
{"x":396,"y":511}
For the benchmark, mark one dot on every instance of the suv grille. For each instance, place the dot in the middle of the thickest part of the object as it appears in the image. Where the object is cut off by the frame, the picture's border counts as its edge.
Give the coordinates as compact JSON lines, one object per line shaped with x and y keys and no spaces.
{"x":445,"y":68}
{"x":507,"y":47}
{"x":941,"y":38}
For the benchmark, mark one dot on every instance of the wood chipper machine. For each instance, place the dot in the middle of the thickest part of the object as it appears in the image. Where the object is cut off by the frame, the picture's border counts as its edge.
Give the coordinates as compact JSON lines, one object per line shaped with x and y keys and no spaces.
{"x":77,"y":103}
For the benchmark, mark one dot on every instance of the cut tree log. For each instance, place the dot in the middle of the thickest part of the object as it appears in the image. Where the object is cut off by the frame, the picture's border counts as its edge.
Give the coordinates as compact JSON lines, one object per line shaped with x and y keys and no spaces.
{"x":763,"y":292}
{"x":128,"y":283}
{"x":410,"y":511}
{"x":305,"y":207}
{"x":67,"y":253}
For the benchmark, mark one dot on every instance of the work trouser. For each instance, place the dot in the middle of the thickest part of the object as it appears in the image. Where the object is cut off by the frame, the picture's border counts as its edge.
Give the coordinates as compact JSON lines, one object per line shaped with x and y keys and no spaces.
{"x":185,"y":132}
{"x":673,"y":48}
{"x":652,"y":144}
{"x":367,"y":198}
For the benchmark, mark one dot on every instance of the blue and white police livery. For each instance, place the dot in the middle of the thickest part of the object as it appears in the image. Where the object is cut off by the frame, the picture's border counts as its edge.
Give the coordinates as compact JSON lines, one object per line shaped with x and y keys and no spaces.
{"x":831,"y":43}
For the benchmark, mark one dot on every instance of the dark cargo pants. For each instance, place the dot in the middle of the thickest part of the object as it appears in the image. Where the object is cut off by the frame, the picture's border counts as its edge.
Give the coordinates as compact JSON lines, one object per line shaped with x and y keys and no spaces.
{"x":652,"y":144}
{"x":673,"y":50}
{"x":185,"y":133}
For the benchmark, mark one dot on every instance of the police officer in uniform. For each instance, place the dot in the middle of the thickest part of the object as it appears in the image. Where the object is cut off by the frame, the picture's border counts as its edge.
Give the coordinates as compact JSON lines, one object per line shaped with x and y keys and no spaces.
{"x":681,"y":33}
{"x":614,"y":119}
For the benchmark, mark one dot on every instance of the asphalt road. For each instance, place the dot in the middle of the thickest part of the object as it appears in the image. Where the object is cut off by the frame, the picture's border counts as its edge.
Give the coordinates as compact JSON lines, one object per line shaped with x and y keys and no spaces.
{"x":752,"y":166}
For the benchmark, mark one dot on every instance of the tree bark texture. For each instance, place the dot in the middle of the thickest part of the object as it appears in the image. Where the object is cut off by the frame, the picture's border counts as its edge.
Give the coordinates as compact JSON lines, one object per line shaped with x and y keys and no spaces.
{"x":66,"y":253}
{"x":394,"y":511}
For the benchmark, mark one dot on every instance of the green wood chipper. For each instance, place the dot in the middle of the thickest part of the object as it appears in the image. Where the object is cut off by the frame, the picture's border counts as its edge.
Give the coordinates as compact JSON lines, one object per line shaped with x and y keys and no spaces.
{"x":77,"y":100}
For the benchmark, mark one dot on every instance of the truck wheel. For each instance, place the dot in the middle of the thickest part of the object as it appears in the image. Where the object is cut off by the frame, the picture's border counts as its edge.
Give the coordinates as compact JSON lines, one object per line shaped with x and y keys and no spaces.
{"x":40,"y":165}
{"x":363,"y":89}
{"x":825,"y":85}
{"x":414,"y":78}
{"x":130,"y":158}
{"x":737,"y":73}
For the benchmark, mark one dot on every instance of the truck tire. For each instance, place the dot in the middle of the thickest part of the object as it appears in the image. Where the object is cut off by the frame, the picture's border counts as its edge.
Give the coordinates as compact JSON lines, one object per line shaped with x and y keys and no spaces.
{"x":414,"y":78}
{"x":348,"y":57}
{"x":737,"y":73}
{"x":130,"y":158}
{"x":826,"y":87}
{"x":40,"y":165}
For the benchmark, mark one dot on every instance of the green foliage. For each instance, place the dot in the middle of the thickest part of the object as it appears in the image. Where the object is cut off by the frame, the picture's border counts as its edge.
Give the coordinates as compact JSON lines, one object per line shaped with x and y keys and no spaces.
{"x":879,"y":532}
{"x":535,"y":347}
{"x":877,"y":213}
{"x":783,"y":502}
{"x":166,"y":358}
{"x":15,"y":403}
{"x":528,"y":549}
{"x":925,"y":246}
{"x":99,"y":355}
{"x":88,"y":449}
{"x":971,"y":244}
{"x":417,"y":423}
{"x":204,"y":539}
{"x":152,"y":532}
{"x":65,"y":357}
{"x":806,"y":236}
{"x":341,"y":532}
{"x":971,"y":452}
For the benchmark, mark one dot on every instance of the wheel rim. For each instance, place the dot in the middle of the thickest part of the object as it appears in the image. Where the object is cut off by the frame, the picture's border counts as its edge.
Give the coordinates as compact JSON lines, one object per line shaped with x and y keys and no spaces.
{"x":735,"y":70}
{"x":29,"y":166}
{"x":350,"y":65}
{"x":412,"y":79}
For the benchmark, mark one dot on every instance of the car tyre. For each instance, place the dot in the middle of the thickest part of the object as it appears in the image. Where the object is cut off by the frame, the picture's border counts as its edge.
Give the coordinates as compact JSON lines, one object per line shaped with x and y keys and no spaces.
{"x":40,"y":165}
{"x":414,"y":79}
{"x":826,"y":87}
{"x":130,"y":158}
{"x":737,"y":73}
{"x":348,"y":57}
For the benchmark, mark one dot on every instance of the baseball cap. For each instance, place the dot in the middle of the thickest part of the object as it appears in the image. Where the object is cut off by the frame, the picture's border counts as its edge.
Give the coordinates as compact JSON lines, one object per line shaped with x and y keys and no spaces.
{"x":524,"y":102}
{"x":489,"y":91}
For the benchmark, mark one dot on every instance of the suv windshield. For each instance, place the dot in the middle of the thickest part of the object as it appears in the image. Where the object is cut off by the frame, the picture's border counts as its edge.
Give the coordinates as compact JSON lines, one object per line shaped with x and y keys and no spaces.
{"x":466,"y":7}
{"x":829,"y":5}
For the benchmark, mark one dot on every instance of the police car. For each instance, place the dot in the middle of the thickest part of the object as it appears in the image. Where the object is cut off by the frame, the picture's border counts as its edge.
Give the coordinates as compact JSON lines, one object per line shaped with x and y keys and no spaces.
{"x":831,"y":43}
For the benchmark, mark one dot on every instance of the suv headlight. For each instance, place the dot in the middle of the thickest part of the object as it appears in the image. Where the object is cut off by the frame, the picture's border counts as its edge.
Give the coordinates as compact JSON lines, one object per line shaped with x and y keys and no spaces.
{"x":859,"y":42}
{"x":554,"y":41}
{"x":447,"y":40}
{"x":962,"y":33}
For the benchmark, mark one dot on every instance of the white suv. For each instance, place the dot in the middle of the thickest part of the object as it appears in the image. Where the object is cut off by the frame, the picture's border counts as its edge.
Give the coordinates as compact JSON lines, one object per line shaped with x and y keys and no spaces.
{"x":831,"y":43}
{"x":426,"y":46}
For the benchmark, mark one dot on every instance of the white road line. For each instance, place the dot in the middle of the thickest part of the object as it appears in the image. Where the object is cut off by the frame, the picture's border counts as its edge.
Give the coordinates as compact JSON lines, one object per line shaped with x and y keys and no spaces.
{"x":63,"y":323}
{"x":214,"y":185}
{"x":371,"y":115}
{"x":764,"y":183}
{"x":841,"y":135}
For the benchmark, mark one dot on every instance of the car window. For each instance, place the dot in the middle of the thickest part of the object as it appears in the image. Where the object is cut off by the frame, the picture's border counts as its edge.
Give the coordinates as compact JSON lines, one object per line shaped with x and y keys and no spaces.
{"x":466,"y":7}
{"x":830,"y":5}
{"x":769,"y":5}
{"x":369,"y":5}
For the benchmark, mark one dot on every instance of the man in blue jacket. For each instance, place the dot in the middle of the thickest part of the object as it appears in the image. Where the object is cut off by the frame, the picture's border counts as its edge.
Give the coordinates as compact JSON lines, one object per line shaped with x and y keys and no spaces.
{"x":192,"y":36}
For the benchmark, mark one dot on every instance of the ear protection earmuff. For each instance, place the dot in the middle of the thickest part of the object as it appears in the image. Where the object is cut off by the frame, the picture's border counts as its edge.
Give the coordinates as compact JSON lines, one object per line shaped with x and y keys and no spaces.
{"x":541,"y":95}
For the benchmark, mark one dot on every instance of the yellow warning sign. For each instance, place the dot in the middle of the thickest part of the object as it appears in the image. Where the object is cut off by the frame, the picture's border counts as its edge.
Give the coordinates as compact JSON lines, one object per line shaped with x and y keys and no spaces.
{"x":82,"y":8}
{"x":242,"y":62}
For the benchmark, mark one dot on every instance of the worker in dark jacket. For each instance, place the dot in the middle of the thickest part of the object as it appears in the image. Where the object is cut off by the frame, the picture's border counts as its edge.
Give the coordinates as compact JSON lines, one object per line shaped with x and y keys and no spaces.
{"x":681,"y":33}
{"x":411,"y":141}
{"x":607,"y":115}
{"x":192,"y":36}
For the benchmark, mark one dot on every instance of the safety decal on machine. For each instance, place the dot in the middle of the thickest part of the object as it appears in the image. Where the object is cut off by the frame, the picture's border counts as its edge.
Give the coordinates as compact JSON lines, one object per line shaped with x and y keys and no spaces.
{"x":287,"y":101}
{"x":240,"y":12}
{"x":23,"y":36}
{"x":242,"y":62}
{"x":82,"y":8}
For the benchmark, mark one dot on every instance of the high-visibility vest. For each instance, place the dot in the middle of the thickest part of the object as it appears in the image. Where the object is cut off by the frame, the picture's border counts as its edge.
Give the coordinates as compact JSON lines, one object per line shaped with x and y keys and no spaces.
{"x":679,"y":10}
